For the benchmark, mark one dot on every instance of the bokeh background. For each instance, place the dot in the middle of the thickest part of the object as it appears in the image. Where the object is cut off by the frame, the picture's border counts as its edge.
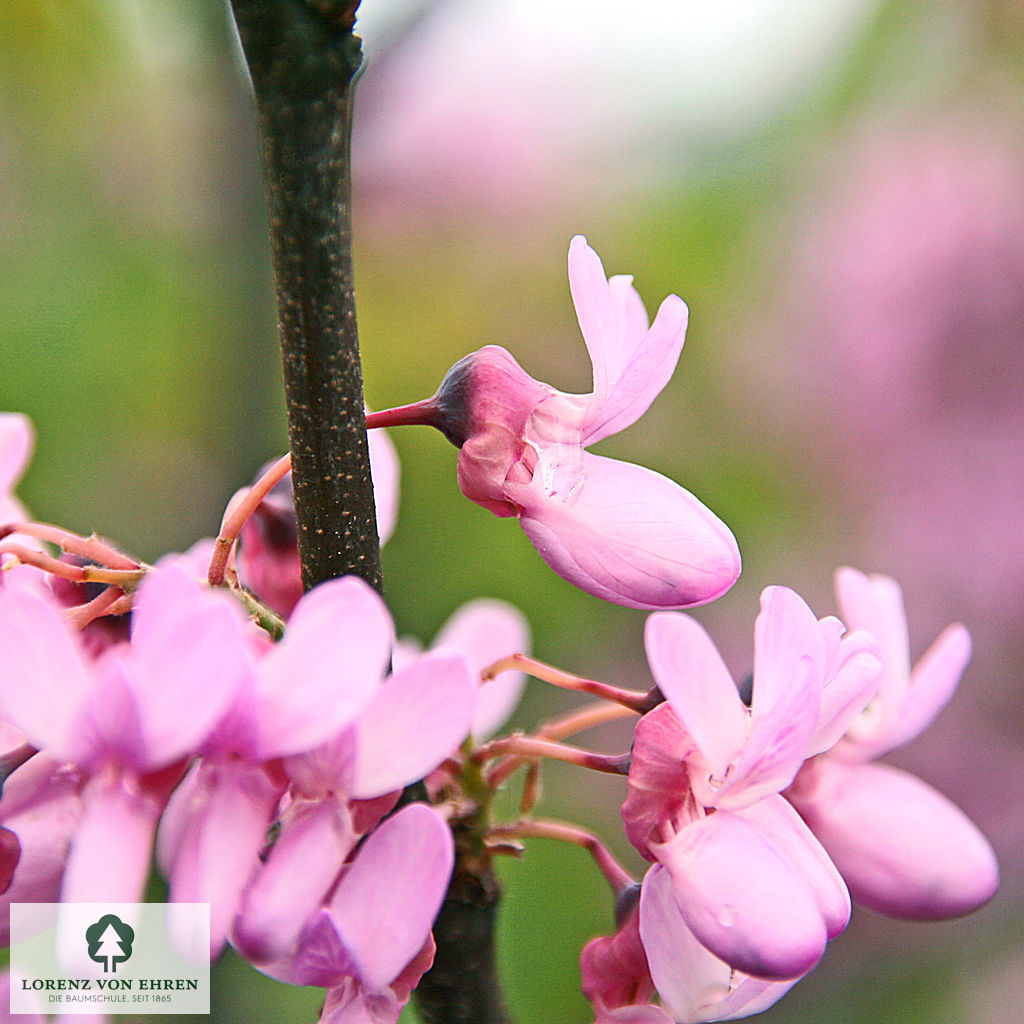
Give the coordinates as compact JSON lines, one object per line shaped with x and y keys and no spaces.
{"x":836,"y":189}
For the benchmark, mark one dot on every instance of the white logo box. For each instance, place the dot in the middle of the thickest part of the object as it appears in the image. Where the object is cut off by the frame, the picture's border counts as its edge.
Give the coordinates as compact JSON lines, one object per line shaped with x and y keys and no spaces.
{"x":110,"y":958}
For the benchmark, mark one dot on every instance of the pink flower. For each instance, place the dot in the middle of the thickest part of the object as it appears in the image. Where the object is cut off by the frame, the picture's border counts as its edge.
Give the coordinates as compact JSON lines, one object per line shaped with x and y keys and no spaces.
{"x":755,"y":887}
{"x":319,"y":700}
{"x":619,"y":531}
{"x":694,"y":985}
{"x":416,"y":719}
{"x":342,"y":783}
{"x":370,"y":943}
{"x":654,"y":952}
{"x":125,"y":721}
{"x":902,"y":847}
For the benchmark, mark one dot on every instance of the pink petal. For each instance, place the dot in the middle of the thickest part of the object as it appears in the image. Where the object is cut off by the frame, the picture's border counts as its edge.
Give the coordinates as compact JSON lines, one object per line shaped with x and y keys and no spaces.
{"x":741,"y":898}
{"x":690,"y":673}
{"x":903,"y":848}
{"x":188,"y":660}
{"x":44,"y":681}
{"x":350,"y":1003}
{"x":386,"y":902}
{"x":789,"y":661}
{"x":16,"y":441}
{"x":788,"y":644}
{"x":659,"y":785}
{"x":623,"y":532}
{"x":321,"y":959}
{"x":775,"y":819}
{"x":314,"y":840}
{"x":110,"y":853}
{"x":614,"y":967}
{"x":229,"y":810}
{"x":417,"y":719}
{"x":485,"y":631}
{"x":933,"y":681}
{"x":595,"y":313}
{"x":689,"y":978}
{"x":42,"y":807}
{"x":486,"y":401}
{"x":875,"y":603}
{"x":631,"y":363}
{"x":108,"y":728}
{"x":851,"y":680}
{"x":326,"y":669}
{"x":650,"y":368}
{"x":325,"y":770}
{"x":385,"y":472}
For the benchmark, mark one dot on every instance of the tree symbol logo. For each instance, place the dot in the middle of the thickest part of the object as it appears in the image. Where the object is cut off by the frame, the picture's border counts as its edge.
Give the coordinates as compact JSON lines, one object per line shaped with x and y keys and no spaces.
{"x":110,"y":942}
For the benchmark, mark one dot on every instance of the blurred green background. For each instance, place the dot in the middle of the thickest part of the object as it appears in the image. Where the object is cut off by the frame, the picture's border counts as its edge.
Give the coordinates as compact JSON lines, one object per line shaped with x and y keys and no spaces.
{"x":841,"y":208}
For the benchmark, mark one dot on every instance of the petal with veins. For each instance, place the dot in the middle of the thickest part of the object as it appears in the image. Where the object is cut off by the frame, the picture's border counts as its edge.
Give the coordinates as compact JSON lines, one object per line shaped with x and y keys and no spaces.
{"x":417,"y":719}
{"x":625,"y":533}
{"x":690,"y":673}
{"x":902,"y":847}
{"x":386,"y":902}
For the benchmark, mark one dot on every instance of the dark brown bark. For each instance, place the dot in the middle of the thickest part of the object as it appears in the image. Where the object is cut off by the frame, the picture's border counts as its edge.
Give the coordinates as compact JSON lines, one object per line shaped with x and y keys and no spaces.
{"x":302,"y":57}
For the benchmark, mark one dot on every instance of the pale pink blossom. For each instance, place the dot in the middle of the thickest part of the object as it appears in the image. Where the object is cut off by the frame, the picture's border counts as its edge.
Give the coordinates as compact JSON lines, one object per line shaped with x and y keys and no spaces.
{"x":903,"y":848}
{"x":413,"y":720}
{"x":368,"y":942}
{"x":754,"y":885}
{"x":321,"y":700}
{"x":654,"y":954}
{"x":126,"y":721}
{"x":619,"y":531}
{"x":694,"y":985}
{"x":417,"y":718}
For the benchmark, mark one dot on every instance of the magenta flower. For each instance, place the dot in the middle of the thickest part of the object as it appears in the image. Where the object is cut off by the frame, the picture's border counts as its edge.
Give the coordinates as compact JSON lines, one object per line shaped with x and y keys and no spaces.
{"x":619,"y":531}
{"x":125,"y":721}
{"x":902,"y":847}
{"x":369,"y":943}
{"x":319,"y":700}
{"x":755,"y":887}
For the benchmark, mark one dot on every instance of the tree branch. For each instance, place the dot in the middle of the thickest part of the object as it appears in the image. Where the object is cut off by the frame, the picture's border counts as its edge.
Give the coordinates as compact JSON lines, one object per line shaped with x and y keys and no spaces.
{"x":302,"y":57}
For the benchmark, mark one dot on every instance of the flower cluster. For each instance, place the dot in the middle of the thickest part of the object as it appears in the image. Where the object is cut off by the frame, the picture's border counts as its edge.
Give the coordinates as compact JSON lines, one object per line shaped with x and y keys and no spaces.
{"x":294,"y":765}
{"x":762,"y":819}
{"x":264,"y":775}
